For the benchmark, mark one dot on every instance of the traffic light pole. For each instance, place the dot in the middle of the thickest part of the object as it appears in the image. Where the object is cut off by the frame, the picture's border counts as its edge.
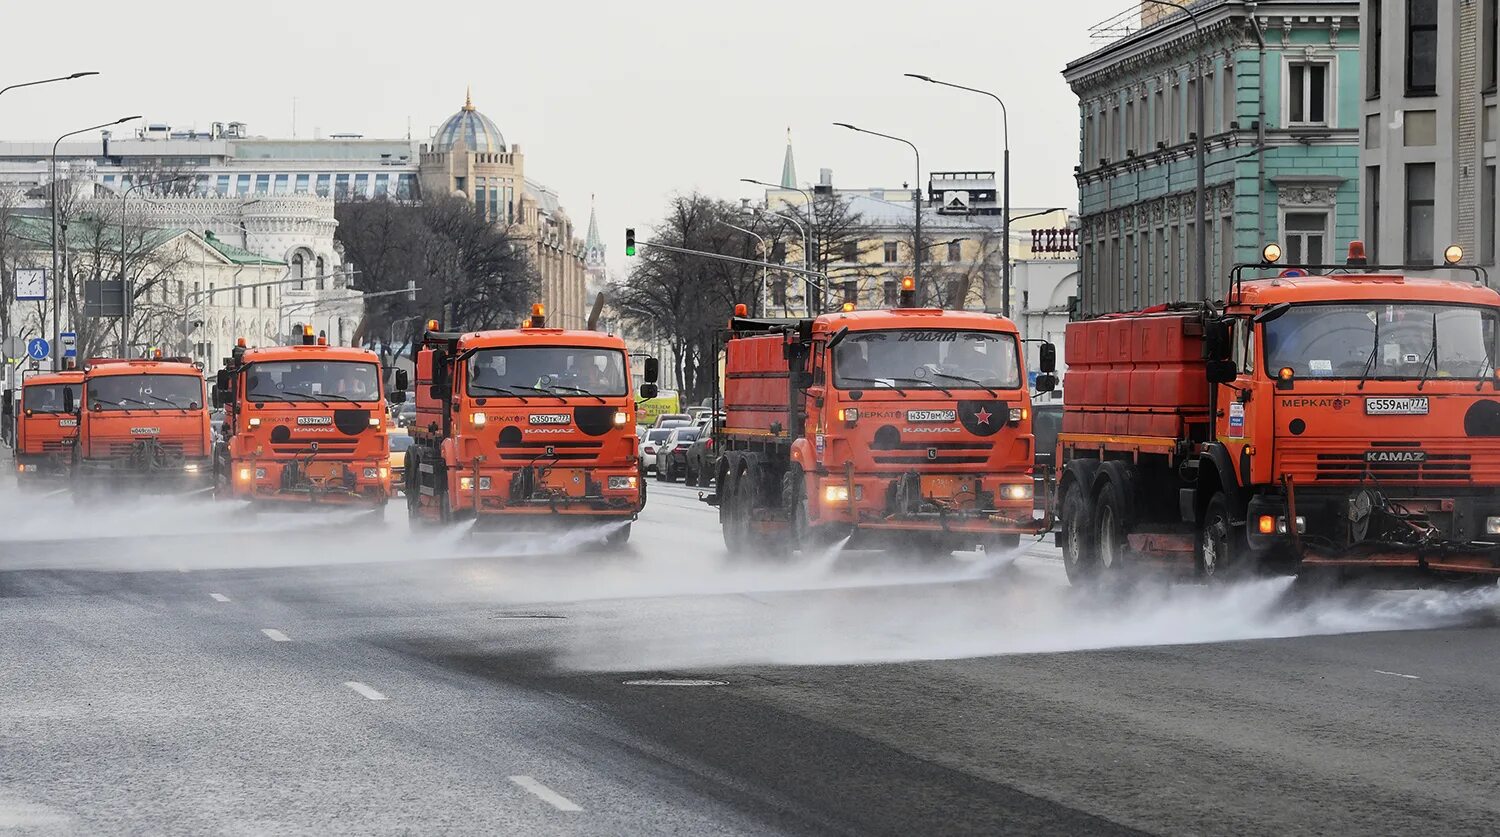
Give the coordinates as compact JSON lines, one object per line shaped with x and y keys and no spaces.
{"x":805,"y":273}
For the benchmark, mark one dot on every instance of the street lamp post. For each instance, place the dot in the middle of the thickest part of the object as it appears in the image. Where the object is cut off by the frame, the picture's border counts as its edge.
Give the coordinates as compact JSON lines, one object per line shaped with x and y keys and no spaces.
{"x":48,"y":80}
{"x":1199,"y":149}
{"x":917,"y":196}
{"x":812,"y":310}
{"x":1005,"y":193}
{"x":764,"y":256}
{"x":812,"y":221}
{"x":56,"y":277}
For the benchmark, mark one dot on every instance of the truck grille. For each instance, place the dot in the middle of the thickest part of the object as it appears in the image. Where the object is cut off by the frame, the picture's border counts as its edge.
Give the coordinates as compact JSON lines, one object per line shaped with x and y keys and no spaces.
{"x":948,"y":453}
{"x":562,"y":451}
{"x":1351,"y":467}
{"x":117,"y":449}
{"x":57,"y":446}
{"x":325,"y":448}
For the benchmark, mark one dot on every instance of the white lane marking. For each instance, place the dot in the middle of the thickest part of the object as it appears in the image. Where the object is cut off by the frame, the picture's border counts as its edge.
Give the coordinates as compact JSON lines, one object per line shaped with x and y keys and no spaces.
{"x":664,"y":682}
{"x":546,"y":794}
{"x":365,"y":690}
{"x":275,"y":635}
{"x":1398,"y":674}
{"x":218,"y":597}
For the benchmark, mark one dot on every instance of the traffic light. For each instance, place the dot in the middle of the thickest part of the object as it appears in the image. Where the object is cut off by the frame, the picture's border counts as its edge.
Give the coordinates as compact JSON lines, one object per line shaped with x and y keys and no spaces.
{"x":630,"y":241}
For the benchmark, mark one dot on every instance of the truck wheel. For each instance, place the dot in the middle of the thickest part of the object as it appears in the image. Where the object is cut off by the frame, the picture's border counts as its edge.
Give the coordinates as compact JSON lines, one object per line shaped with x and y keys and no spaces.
{"x":1110,"y":525}
{"x":1222,"y":550}
{"x":735,"y":517}
{"x":1079,"y":558}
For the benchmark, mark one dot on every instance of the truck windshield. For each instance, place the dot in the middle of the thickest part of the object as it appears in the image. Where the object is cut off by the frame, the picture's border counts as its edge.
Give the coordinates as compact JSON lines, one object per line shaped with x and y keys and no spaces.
{"x":297,"y":380}
{"x":558,"y":370}
{"x":1415,"y":340}
{"x":145,"y":392}
{"x":48,"y":398}
{"x":926,"y":359}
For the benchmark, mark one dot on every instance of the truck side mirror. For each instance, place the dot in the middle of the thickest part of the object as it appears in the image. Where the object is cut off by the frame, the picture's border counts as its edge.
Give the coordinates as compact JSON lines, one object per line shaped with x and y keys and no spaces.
{"x":222,"y":379}
{"x":402,"y":381}
{"x":652,"y":371}
{"x":1222,"y":371}
{"x":397,"y":396}
{"x":803,"y":380}
{"x":1046,"y":382}
{"x":67,"y":399}
{"x":1047,"y":362}
{"x":1217,"y":342}
{"x":648,"y":391}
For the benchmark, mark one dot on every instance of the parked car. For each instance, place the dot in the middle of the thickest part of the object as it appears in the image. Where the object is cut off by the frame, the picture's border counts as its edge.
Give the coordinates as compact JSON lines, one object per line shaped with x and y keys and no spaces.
{"x":654,"y":438}
{"x":681,"y":418}
{"x":701,"y":458}
{"x":406,"y":414}
{"x":671,"y":454}
{"x":400,"y":442}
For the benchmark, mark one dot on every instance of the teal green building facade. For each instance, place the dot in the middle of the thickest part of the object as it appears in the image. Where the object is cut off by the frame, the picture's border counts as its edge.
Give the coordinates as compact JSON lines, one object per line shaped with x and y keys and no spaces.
{"x":1281,"y":84}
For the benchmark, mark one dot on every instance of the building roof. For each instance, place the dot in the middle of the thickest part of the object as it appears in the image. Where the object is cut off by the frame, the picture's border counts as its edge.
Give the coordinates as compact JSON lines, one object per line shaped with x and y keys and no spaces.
{"x":470,"y":128}
{"x":883,"y":213}
{"x":82,"y":235}
{"x":237,"y":255}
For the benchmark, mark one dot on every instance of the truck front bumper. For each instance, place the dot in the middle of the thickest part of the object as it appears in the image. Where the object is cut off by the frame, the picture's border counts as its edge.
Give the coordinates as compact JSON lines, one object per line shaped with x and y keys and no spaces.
{"x":586,"y":493}
{"x":325,"y":483}
{"x":966,"y":504}
{"x":185,"y":476}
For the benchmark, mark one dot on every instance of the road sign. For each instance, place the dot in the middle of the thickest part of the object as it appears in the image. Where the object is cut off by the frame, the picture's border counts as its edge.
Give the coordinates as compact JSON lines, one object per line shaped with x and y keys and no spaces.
{"x":31,"y":284}
{"x":69,"y":344}
{"x":37,"y":349}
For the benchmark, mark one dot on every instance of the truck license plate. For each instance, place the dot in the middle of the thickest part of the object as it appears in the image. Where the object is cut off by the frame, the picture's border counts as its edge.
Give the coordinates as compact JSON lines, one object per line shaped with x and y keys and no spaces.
{"x":931,"y":415}
{"x":1409,"y":406}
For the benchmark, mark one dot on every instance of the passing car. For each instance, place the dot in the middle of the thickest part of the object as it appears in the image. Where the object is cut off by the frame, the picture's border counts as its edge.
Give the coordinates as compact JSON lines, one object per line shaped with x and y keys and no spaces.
{"x":649,"y":443}
{"x":701,"y":458}
{"x":671,"y":454}
{"x":400,"y":443}
{"x":406,"y":414}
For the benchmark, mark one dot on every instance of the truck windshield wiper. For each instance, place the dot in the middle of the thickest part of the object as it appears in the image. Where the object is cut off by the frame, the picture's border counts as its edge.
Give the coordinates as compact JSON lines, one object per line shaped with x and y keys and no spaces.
{"x":1486,"y":370}
{"x":500,"y":390}
{"x":273,"y":395}
{"x":944,"y":390}
{"x":1431,"y":360}
{"x":580,"y":392}
{"x":542,"y":391}
{"x":877,"y":381}
{"x":167,"y":400}
{"x":966,"y":379}
{"x":339,"y":397}
{"x":145,"y":404}
{"x":1370,"y":361}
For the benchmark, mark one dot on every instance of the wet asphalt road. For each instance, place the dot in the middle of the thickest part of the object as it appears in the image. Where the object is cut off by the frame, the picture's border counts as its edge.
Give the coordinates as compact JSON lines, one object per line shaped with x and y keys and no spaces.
{"x":189,"y":670}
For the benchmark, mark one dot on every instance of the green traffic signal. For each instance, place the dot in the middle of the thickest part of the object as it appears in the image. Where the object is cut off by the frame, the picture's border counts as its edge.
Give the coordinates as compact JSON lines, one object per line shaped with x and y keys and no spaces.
{"x":630,"y":241}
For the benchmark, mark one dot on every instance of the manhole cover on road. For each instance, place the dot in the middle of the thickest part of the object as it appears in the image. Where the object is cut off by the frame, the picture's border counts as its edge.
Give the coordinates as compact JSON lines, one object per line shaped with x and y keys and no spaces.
{"x":676,"y":683}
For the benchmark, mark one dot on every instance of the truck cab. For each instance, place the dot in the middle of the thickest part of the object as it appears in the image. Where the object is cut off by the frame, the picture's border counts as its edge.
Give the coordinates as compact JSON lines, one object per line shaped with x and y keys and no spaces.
{"x":525,"y":429}
{"x":143,"y":423}
{"x":908,"y":425}
{"x":303,"y":425}
{"x":47,"y":425}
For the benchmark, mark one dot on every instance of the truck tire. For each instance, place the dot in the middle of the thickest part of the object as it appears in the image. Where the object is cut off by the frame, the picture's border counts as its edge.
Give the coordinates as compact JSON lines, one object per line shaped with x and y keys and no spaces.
{"x":1111,"y":523}
{"x":1223,"y":553}
{"x":739,"y":497}
{"x":1076,"y":521}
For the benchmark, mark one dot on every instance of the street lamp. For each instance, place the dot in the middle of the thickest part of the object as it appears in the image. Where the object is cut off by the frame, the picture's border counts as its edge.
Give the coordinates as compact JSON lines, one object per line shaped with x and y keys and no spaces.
{"x":1005,"y":198}
{"x":48,"y":80}
{"x":56,"y":276}
{"x":916,"y":195}
{"x":1200,"y":149}
{"x":806,"y":267}
{"x":812,"y":220}
{"x":764,"y":256}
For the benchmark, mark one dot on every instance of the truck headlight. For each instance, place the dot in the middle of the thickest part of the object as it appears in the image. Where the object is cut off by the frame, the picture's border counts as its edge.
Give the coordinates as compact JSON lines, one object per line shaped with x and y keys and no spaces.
{"x":254,"y":421}
{"x":371,"y":473}
{"x":1017,"y":491}
{"x":374,"y":422}
{"x":465,"y":483}
{"x":244,"y":475}
{"x":191,"y":467}
{"x":1301,"y":524}
{"x":849,"y":414}
{"x":1492,"y":525}
{"x":1019,"y":414}
{"x":478,"y":419}
{"x":484,"y":483}
{"x":622,"y":483}
{"x":836,"y":494}
{"x":620,"y":418}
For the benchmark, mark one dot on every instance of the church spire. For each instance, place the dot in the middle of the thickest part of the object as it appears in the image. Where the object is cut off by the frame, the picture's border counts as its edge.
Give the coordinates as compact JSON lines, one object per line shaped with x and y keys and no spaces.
{"x":468,"y":98}
{"x":788,"y":168}
{"x":593,"y":242}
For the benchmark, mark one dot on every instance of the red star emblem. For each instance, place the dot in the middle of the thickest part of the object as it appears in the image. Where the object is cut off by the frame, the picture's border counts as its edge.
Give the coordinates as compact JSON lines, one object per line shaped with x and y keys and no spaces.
{"x":983,"y":416}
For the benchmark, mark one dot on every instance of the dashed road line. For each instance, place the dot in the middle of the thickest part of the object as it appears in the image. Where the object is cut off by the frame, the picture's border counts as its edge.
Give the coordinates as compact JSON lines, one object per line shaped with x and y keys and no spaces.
{"x":546,"y":794}
{"x":1397,"y":674}
{"x":365,"y":690}
{"x":275,"y":635}
{"x":218,"y":597}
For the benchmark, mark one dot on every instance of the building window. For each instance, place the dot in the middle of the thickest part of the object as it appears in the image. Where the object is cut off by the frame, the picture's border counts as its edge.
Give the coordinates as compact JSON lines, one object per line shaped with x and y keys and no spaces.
{"x":778,"y":293}
{"x":299,"y":271}
{"x":1372,"y":214}
{"x":889,"y":296}
{"x":850,"y":291}
{"x":460,"y":184}
{"x":242,"y":185}
{"x":255,"y":297}
{"x":382,"y":185}
{"x":956,"y":288}
{"x":362,"y":185}
{"x":851,"y":250}
{"x":341,"y":187}
{"x":1306,"y":237}
{"x":322,"y":270}
{"x":1088,"y":140}
{"x":1307,"y":94}
{"x":1421,"y":191}
{"x":262,"y":184}
{"x":1487,"y":25}
{"x":955,"y":251}
{"x":1230,"y":94}
{"x":281,"y":183}
{"x":404,"y":189}
{"x":1487,"y":216}
{"x":1421,"y":48}
{"x":1372,"y":48}
{"x":1176,"y":120}
{"x":1159,"y":109}
{"x":322,"y":187}
{"x":891,"y":252}
{"x":302,"y":181}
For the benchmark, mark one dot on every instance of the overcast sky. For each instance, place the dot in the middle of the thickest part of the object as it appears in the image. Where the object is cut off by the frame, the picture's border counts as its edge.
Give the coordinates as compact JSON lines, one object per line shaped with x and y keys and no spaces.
{"x":631,"y":101}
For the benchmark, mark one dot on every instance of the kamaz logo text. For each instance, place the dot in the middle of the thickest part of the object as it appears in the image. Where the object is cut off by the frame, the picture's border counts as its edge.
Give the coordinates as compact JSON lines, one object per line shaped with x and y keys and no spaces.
{"x":1395,"y":456}
{"x":550,"y":418}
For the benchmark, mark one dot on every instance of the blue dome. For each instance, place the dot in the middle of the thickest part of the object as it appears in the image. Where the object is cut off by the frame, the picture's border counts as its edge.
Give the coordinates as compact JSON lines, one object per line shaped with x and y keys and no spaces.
{"x":473,"y":129}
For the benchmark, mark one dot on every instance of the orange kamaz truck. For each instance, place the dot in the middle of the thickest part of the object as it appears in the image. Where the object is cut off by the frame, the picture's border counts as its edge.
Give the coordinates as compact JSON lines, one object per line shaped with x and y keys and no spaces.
{"x":142,"y":424}
{"x":47,"y":425}
{"x":303,"y":425}
{"x":908,"y":427}
{"x":1332,"y":418}
{"x":526,"y":429}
